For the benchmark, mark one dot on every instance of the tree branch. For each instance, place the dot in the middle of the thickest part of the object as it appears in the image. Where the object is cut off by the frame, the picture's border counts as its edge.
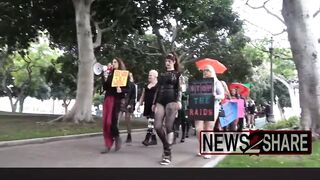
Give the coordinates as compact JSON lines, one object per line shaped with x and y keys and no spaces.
{"x":266,"y":9}
{"x":175,"y":31}
{"x":273,"y":34}
{"x":100,"y":31}
{"x":160,"y":42}
{"x":316,"y":13}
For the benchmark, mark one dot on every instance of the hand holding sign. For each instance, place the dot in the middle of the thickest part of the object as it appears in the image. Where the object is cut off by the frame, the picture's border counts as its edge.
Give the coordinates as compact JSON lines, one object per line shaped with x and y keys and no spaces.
{"x":119,"y":90}
{"x":120,"y":78}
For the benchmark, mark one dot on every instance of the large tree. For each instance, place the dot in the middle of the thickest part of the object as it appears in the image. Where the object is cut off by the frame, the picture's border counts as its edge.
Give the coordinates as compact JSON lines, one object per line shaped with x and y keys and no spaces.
{"x":299,"y":21}
{"x":79,"y":25}
{"x":305,"y":50}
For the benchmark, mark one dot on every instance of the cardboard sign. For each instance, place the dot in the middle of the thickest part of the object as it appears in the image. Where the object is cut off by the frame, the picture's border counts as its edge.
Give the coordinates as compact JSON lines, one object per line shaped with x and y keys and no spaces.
{"x":201,"y":100}
{"x":231,"y":113}
{"x":120,"y":78}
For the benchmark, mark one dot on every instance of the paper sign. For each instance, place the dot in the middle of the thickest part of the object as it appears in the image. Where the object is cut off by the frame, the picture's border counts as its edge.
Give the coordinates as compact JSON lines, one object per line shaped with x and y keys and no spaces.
{"x":231,"y":113}
{"x":241,"y":108}
{"x":120,"y":78}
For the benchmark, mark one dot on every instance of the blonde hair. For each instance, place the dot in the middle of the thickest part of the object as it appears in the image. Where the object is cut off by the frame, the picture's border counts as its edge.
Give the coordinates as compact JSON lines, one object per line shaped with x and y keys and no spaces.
{"x":153,"y":72}
{"x":226,"y":89}
{"x":212,"y":71}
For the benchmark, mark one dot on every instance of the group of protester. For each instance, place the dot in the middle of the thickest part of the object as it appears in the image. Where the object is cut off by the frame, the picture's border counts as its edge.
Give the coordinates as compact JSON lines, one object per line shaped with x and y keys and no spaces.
{"x":165,"y":104}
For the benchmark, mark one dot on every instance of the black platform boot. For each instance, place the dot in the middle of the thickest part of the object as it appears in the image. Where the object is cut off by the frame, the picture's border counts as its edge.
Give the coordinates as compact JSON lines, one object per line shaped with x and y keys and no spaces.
{"x":153,"y":140}
{"x":146,"y":140}
{"x":129,"y":139}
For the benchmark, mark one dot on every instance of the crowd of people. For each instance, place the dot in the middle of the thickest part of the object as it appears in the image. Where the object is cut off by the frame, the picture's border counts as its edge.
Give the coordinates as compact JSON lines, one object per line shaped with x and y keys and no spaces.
{"x":165,"y":101}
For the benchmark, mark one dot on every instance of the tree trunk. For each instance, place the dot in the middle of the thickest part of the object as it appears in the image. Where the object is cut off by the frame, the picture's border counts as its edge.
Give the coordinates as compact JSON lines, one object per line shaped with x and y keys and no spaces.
{"x":66,"y":104}
{"x":304,"y":48}
{"x":21,"y":102}
{"x":13,"y":105}
{"x":81,"y":111}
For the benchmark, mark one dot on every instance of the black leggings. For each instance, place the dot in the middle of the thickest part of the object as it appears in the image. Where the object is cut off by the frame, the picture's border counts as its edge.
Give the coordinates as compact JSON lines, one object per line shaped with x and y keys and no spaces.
{"x":165,"y":113}
{"x":183,"y":121}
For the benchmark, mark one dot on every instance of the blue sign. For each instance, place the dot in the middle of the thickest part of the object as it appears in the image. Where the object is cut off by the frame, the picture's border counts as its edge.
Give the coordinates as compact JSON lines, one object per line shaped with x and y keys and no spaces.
{"x":231,"y":113}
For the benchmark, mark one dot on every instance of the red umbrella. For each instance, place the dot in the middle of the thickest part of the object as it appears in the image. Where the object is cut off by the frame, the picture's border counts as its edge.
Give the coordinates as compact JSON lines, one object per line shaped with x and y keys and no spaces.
{"x":243,"y":90}
{"x":218,"y":66}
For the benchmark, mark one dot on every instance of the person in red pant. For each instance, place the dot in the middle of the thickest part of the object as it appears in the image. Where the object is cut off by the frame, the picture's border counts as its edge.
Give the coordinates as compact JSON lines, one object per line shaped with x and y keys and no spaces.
{"x":111,"y":108}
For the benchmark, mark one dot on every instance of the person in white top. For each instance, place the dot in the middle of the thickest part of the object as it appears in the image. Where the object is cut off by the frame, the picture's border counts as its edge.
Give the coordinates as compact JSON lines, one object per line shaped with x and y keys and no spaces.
{"x":218,"y":93}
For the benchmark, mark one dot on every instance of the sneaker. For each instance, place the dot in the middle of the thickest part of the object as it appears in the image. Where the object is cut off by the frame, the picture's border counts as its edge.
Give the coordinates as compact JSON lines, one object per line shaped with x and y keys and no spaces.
{"x":207,"y":156}
{"x":165,"y":161}
{"x":166,"y":157}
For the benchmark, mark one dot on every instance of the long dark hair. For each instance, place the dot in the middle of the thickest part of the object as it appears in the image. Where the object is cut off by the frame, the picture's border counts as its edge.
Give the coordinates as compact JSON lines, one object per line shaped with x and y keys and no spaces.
{"x":121,"y":63}
{"x":174,"y":57}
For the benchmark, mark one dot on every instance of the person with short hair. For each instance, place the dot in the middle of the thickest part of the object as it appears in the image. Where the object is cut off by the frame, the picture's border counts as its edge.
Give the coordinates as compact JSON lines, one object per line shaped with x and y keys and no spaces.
{"x":146,"y":99}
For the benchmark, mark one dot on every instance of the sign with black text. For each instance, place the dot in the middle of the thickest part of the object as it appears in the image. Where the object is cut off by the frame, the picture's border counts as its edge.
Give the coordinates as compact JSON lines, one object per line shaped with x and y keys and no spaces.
{"x":258,"y":142}
{"x":201,"y":100}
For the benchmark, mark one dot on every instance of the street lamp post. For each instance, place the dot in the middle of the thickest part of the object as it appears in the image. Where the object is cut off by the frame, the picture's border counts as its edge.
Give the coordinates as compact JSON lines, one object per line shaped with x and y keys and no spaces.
{"x":271,"y":116}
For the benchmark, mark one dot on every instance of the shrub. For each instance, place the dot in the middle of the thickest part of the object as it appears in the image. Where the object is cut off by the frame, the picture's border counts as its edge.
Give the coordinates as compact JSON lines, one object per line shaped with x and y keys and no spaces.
{"x":290,"y":123}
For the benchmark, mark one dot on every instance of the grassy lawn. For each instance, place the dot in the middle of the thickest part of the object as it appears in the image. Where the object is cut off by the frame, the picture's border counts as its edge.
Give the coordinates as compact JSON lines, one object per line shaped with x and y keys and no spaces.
{"x":312,"y":160}
{"x":25,"y":127}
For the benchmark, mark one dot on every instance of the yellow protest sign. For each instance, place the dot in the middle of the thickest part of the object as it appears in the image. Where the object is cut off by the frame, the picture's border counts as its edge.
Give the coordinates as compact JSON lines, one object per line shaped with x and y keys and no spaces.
{"x":120,"y":78}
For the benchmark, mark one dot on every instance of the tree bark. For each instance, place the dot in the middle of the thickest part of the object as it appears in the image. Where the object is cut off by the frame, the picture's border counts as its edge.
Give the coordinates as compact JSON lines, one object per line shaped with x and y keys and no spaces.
{"x":21,"y":102}
{"x":304,"y":48}
{"x":81,"y":111}
{"x":13,"y":105}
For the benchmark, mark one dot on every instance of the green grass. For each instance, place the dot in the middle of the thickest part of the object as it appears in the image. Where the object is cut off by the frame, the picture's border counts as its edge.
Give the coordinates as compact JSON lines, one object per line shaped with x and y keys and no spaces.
{"x":19,"y":127}
{"x":312,"y":160}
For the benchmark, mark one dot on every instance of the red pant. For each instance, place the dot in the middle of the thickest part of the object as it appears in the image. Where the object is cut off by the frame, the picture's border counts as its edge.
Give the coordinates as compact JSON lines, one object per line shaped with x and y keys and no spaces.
{"x":108,"y":108}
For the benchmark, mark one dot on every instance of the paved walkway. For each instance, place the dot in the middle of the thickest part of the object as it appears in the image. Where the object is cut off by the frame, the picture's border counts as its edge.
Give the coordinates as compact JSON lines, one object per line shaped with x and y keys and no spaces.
{"x":85,"y":152}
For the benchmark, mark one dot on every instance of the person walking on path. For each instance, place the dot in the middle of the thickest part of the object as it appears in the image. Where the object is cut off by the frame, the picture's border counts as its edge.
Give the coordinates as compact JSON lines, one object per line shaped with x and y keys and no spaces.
{"x":146,"y":99}
{"x":111,"y":108}
{"x":166,"y":104}
{"x":218,"y":93}
{"x":128,"y":106}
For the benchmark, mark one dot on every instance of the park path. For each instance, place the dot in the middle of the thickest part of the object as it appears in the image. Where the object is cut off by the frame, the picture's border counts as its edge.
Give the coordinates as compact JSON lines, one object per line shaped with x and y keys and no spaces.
{"x":85,"y":152}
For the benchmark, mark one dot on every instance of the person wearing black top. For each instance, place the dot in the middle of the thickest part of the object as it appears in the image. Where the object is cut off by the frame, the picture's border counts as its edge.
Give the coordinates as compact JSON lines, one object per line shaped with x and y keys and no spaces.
{"x":111,"y":108}
{"x":146,"y":99}
{"x":167,"y":102}
{"x":128,"y":105}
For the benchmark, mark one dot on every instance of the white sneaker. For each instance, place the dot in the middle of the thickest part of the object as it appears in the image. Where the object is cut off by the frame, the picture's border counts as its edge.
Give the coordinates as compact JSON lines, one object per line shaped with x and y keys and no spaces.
{"x":165,"y":161}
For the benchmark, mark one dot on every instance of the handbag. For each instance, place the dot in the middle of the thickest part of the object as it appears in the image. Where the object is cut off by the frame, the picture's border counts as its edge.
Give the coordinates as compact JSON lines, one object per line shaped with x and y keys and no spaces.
{"x":222,"y":113}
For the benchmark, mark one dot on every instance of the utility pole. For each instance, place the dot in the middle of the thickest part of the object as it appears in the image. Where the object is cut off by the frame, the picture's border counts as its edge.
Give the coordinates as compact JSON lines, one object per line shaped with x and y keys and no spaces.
{"x":271,"y":116}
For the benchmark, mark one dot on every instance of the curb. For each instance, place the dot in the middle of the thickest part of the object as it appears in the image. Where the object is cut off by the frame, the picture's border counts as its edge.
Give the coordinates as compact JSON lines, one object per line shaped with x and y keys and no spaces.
{"x":57,"y":138}
{"x":213,"y":163}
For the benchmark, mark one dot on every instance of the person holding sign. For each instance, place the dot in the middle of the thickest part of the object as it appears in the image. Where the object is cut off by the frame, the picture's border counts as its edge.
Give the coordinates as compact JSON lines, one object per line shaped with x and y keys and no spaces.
{"x":111,"y":107}
{"x":218,"y":94}
{"x":167,"y":102}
